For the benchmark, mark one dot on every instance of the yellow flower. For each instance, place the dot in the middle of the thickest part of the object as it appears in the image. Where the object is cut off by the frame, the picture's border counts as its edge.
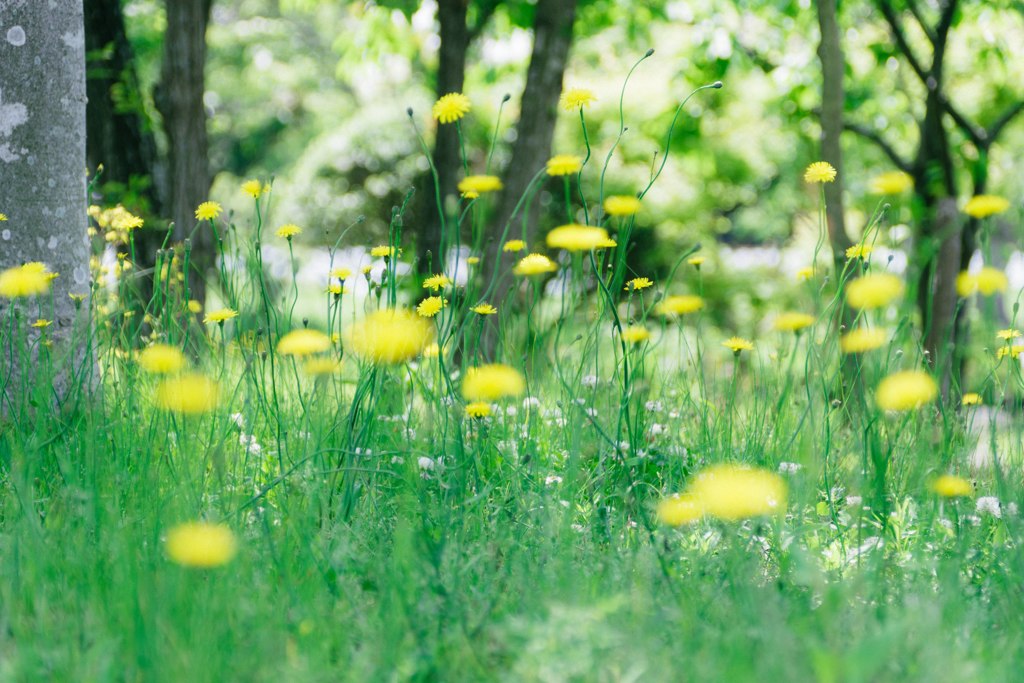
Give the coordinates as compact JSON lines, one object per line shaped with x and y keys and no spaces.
{"x":513,"y":245}
{"x":473,"y":260}
{"x":161,"y":359}
{"x":22,"y":281}
{"x":1008,"y":334}
{"x":201,"y":544}
{"x":194,"y":306}
{"x":575,"y":237}
{"x":906,"y":390}
{"x":535,"y":264}
{"x":793,"y":322}
{"x":576,"y":98}
{"x":41,"y":323}
{"x":191,"y":394}
{"x":892,"y":182}
{"x":122,"y":219}
{"x":970,"y":399}
{"x":738,"y":344}
{"x":873,"y":291}
{"x":861,"y":251}
{"x":985,"y":205}
{"x":805,"y":273}
{"x":3,"y":216}
{"x":220,"y":315}
{"x":207,"y":211}
{"x":491,"y":382}
{"x":564,"y":164}
{"x":436,"y":282}
{"x":432,"y":350}
{"x":861,"y":340}
{"x":732,"y":493}
{"x":820,"y":172}
{"x":479,"y":184}
{"x":988,"y":281}
{"x":303,"y":342}
{"x":289,"y":230}
{"x":478,"y":409}
{"x":484,"y":308}
{"x":389,"y":336}
{"x":638,"y":283}
{"x":1011,"y":351}
{"x":697,"y":261}
{"x":431,"y":306}
{"x":635,"y":334}
{"x":451,"y":107}
{"x":383,"y":251}
{"x":621,"y":205}
{"x":253,"y":188}
{"x":336,"y":288}
{"x":680,"y":304}
{"x":679,"y":509}
{"x":952,"y":486}
{"x":341,"y":273}
{"x":321,"y":366}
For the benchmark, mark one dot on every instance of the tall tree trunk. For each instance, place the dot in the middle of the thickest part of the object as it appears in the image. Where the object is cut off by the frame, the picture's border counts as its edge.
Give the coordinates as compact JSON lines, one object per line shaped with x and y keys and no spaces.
{"x":552,"y":38}
{"x":42,"y":167}
{"x":179,"y":98}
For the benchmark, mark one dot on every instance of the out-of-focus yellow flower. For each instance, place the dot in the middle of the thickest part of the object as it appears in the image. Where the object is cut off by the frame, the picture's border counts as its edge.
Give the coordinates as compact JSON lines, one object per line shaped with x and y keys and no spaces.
{"x":728,"y":492}
{"x":891,"y":183}
{"x":985,"y":205}
{"x":42,"y":323}
{"x":873,"y":291}
{"x":906,"y":390}
{"x":431,"y":306}
{"x":576,"y":98}
{"x":207,"y":211}
{"x":635,"y":334}
{"x":191,"y":394}
{"x":473,"y":260}
{"x":535,"y":264}
{"x":952,"y":486}
{"x":384,"y":251}
{"x":220,"y":315}
{"x":432,"y":350}
{"x":738,"y":345}
{"x":564,"y":164}
{"x":575,"y":237}
{"x":288,"y":231}
{"x":680,"y":304}
{"x":987,"y":281}
{"x":862,"y":339}
{"x":805,"y":273}
{"x":1013,"y":351}
{"x":161,"y":359}
{"x":861,"y":251}
{"x":303,"y":342}
{"x":389,"y":336}
{"x":477,"y":185}
{"x":679,"y":510}
{"x":451,"y":107}
{"x":970,"y":399}
{"x":697,"y":261}
{"x":1008,"y":334}
{"x":793,"y":322}
{"x":478,"y":409}
{"x":321,"y":366}
{"x":820,"y":172}
{"x":341,"y":273}
{"x":201,"y":545}
{"x":492,"y":382}
{"x":638,"y":283}
{"x":194,"y":306}
{"x":484,"y":308}
{"x":23,"y":281}
{"x":621,"y":205}
{"x":436,"y":282}
{"x":253,"y":188}
{"x":513,"y":245}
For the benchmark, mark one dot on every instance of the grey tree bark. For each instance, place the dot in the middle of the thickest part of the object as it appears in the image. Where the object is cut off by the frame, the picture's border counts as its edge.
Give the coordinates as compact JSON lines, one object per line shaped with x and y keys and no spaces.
{"x":42,"y":164}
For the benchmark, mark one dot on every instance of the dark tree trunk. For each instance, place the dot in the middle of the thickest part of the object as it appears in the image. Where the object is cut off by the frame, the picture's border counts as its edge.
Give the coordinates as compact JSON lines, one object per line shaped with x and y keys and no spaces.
{"x":179,"y":98}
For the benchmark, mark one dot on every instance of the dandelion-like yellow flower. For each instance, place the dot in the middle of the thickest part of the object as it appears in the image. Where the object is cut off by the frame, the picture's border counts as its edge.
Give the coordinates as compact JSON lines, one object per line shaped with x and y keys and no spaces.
{"x":1013,"y":351}
{"x":161,"y":359}
{"x":679,"y":510}
{"x":492,"y":382}
{"x":638,"y":283}
{"x":253,"y":188}
{"x":431,"y":306}
{"x":207,"y":211}
{"x":321,"y":366}
{"x":535,"y":264}
{"x":484,"y":308}
{"x":738,"y":344}
{"x":3,"y":217}
{"x":891,"y":183}
{"x":952,"y":486}
{"x":1008,"y":334}
{"x":873,"y":291}
{"x":820,"y":172}
{"x":680,"y":304}
{"x":288,"y":231}
{"x":336,"y":288}
{"x":191,"y":394}
{"x":970,"y":399}
{"x":383,"y":251}
{"x":436,"y":282}
{"x":341,"y":273}
{"x":575,"y":237}
{"x":987,"y":281}
{"x":303,"y":342}
{"x":861,"y":340}
{"x":564,"y":164}
{"x":478,"y":409}
{"x":432,"y":350}
{"x":25,"y":280}
{"x":805,"y":273}
{"x":479,"y":184}
{"x":513,"y":246}
{"x":728,"y":492}
{"x":220,"y":316}
{"x":576,"y":98}
{"x":122,"y":219}
{"x":621,"y":205}
{"x":194,"y":306}
{"x":697,"y":261}
{"x":473,"y":260}
{"x":634,"y":334}
{"x":41,"y":323}
{"x":793,"y":321}
{"x":201,"y":545}
{"x":389,"y":336}
{"x":861,"y":251}
{"x":985,"y":205}
{"x":451,"y":107}
{"x":906,"y":390}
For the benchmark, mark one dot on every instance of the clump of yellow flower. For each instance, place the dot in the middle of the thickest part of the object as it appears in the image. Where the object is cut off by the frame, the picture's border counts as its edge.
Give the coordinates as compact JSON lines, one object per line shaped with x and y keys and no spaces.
{"x":191,"y":394}
{"x":952,"y":486}
{"x":906,"y":390}
{"x":1008,"y":334}
{"x":484,"y":308}
{"x":535,"y":264}
{"x":201,"y":545}
{"x":564,"y":164}
{"x":793,"y":322}
{"x":475,"y":185}
{"x":861,"y":251}
{"x":576,"y":98}
{"x":638,"y":283}
{"x":253,"y":188}
{"x":861,"y":340}
{"x":820,"y":172}
{"x":634,"y":334}
{"x":621,"y":205}
{"x":389,"y":336}
{"x":873,"y":291}
{"x":970,"y":399}
{"x":890,"y":183}
{"x":1013,"y":351}
{"x":431,"y":306}
{"x":383,"y":251}
{"x":478,"y":409}
{"x":436,"y":282}
{"x":25,"y":280}
{"x":513,"y":245}
{"x":303,"y":342}
{"x":492,"y":382}
{"x":207,"y":211}
{"x":985,"y":205}
{"x":451,"y":107}
{"x":987,"y":281}
{"x":161,"y":359}
{"x":220,"y":315}
{"x":288,"y":231}
{"x":727,"y":492}
{"x":574,"y":237}
{"x":680,"y":304}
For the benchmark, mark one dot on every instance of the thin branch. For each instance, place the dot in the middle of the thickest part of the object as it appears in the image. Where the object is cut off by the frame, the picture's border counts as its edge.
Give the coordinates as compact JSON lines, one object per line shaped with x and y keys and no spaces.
{"x":916,"y":11}
{"x":486,"y":11}
{"x":1000,"y":123}
{"x":883,"y":144}
{"x":896,"y":28}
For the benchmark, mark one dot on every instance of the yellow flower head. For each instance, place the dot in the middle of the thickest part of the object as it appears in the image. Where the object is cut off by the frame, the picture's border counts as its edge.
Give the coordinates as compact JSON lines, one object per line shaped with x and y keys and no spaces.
{"x":484,"y":308}
{"x":478,"y":409}
{"x":220,"y":315}
{"x":1008,"y":334}
{"x":697,"y":261}
{"x":194,"y":306}
{"x":513,"y":245}
{"x":451,"y":107}
{"x":638,"y":283}
{"x":820,"y":172}
{"x":621,"y":205}
{"x":436,"y":282}
{"x":535,"y":264}
{"x":861,"y":251}
{"x":253,"y":188}
{"x":970,"y":399}
{"x":341,"y":273}
{"x":479,"y":184}
{"x":805,"y":273}
{"x":564,"y":164}
{"x":3,"y":216}
{"x":635,"y":334}
{"x":985,"y":205}
{"x":873,"y":291}
{"x":41,"y":324}
{"x":303,"y":342}
{"x":906,"y":390}
{"x":1013,"y":351}
{"x":575,"y":237}
{"x":336,"y":288}
{"x":161,"y":359}
{"x":384,"y":251}
{"x":431,"y":306}
{"x":987,"y":281}
{"x":201,"y":545}
{"x":576,"y":98}
{"x":893,"y":182}
{"x":289,"y":230}
{"x":473,"y":260}
{"x":952,"y":486}
{"x":862,"y":339}
{"x":191,"y":394}
{"x":680,"y":304}
{"x":738,"y":344}
{"x":389,"y":336}
{"x":207,"y":211}
{"x":492,"y":382}
{"x":321,"y":366}
{"x":732,"y":493}
{"x":22,"y":281}
{"x":793,"y":322}
{"x":679,"y":510}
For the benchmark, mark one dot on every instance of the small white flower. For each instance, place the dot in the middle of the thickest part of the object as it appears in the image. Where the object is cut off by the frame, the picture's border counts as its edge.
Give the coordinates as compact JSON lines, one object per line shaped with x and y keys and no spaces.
{"x":657,"y":429}
{"x":552,"y":479}
{"x":789,"y":467}
{"x":238,"y":419}
{"x":581,"y":401}
{"x":589,"y":381}
{"x":1011,"y":509}
{"x":426,"y":463}
{"x":653,"y":406}
{"x":989,"y":505}
{"x":854,"y":501}
{"x":511,"y":411}
{"x":252,"y":447}
{"x":531,"y":402}
{"x":592,"y":412}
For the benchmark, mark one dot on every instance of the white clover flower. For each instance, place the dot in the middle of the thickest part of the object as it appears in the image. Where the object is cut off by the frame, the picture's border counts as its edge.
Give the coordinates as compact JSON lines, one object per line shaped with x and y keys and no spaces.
{"x":653,"y":406}
{"x":789,"y":467}
{"x":531,"y":402}
{"x":657,"y":429}
{"x":589,"y":381}
{"x":238,"y":419}
{"x":989,"y":505}
{"x":552,"y":479}
{"x":854,"y":501}
{"x":426,"y":463}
